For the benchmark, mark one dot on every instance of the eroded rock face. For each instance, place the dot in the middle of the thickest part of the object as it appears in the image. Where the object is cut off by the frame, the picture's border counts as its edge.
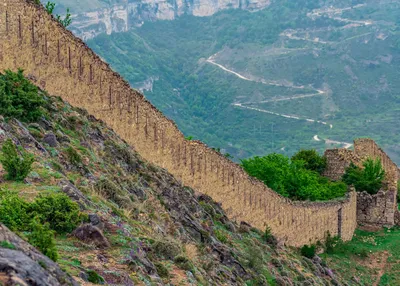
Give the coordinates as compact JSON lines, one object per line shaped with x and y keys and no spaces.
{"x":120,"y":18}
{"x":22,"y":264}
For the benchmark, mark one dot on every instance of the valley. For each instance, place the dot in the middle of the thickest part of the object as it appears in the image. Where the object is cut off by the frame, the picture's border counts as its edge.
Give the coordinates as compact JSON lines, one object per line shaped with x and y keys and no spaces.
{"x":269,"y":81}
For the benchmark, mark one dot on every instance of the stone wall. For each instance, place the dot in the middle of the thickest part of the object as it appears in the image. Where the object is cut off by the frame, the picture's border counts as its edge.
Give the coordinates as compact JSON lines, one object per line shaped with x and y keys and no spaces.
{"x":337,"y":161}
{"x":371,"y":209}
{"x":365,"y":148}
{"x":63,"y":65}
{"x":376,"y":209}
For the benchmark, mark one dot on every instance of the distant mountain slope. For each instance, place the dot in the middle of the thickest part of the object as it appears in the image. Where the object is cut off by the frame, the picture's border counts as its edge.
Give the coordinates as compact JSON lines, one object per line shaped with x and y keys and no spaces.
{"x":270,"y":81}
{"x":95,"y":17}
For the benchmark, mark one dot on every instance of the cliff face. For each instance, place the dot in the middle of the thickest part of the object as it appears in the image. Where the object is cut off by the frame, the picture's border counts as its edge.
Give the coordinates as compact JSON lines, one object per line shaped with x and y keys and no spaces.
{"x":120,"y":17}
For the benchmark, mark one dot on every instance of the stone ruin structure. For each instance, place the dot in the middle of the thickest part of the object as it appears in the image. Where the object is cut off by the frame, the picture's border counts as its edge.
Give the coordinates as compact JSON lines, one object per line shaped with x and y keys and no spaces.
{"x":378,"y":209}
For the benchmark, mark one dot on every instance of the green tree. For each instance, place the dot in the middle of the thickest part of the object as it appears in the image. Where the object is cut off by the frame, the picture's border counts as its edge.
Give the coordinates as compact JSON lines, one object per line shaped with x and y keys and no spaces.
{"x":43,"y":238}
{"x":59,"y":211}
{"x":312,"y":160}
{"x":16,"y":166}
{"x":19,"y":98}
{"x":369,"y":178}
{"x":292,"y":179}
{"x":13,"y":211}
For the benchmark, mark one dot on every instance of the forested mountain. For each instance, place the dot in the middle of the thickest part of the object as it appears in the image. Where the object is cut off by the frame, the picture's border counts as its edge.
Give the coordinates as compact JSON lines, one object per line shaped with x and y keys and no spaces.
{"x":298,"y":74}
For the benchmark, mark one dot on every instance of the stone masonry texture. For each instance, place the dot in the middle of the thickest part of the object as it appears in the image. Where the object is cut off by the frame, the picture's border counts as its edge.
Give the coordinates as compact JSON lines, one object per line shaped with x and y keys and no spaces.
{"x":381,"y":208}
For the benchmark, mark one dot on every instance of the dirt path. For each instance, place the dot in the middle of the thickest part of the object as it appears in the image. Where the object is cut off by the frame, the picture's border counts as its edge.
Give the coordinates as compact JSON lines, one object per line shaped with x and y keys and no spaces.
{"x":380,"y":263}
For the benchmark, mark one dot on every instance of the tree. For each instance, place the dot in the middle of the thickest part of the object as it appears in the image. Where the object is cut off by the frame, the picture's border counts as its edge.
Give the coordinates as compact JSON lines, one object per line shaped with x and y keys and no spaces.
{"x":19,"y":98}
{"x":292,"y":179}
{"x":312,"y":160}
{"x":369,"y":178}
{"x":16,"y":166}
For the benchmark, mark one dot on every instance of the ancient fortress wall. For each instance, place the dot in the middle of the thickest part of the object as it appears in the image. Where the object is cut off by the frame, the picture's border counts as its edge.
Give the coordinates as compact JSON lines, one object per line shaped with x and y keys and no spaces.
{"x":372,"y":209}
{"x":379,"y":208}
{"x":62,"y":64}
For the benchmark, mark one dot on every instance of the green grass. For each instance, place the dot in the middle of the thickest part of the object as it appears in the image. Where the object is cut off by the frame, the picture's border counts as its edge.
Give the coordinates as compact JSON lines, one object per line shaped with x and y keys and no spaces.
{"x":352,"y":259}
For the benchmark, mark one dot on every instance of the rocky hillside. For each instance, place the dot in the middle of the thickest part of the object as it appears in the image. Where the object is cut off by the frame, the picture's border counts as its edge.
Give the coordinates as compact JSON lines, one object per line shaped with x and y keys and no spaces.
{"x":108,"y":216}
{"x":91,"y":19}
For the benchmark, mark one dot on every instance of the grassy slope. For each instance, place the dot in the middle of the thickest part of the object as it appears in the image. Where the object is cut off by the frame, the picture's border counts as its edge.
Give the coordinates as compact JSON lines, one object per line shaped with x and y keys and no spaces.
{"x":371,"y":258}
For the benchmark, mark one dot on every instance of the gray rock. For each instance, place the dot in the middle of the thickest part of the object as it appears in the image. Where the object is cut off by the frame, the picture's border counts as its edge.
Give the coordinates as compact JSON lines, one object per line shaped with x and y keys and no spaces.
{"x":45,"y":124}
{"x":96,"y":221}
{"x":50,"y":139}
{"x":74,"y":194}
{"x":91,"y":235}
{"x":61,"y":137}
{"x":24,"y":265}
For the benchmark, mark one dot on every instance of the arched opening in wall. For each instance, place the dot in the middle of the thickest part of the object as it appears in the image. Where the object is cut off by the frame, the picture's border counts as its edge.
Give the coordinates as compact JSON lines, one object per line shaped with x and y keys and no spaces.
{"x":340,"y":222}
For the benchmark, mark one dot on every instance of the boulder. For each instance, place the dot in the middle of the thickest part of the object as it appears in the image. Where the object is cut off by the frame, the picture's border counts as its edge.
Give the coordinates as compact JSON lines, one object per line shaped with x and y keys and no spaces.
{"x":24,"y":265}
{"x":91,"y":234}
{"x":50,"y":139}
{"x":95,"y":220}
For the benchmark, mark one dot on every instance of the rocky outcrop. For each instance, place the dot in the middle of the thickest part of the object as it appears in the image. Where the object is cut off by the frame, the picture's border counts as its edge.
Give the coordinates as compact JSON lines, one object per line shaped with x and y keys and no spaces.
{"x":22,"y":264}
{"x":92,"y":235}
{"x":121,"y":17}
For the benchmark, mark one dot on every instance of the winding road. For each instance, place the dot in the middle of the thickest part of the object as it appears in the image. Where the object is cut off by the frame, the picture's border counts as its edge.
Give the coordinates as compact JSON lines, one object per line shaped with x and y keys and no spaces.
{"x":331,"y":12}
{"x":318,"y":92}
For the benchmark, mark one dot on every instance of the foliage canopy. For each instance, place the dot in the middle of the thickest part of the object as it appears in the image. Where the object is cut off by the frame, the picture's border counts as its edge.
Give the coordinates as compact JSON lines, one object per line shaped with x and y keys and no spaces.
{"x":19,"y":98}
{"x":292,"y":179}
{"x":311,"y":159}
{"x":369,"y":178}
{"x":17,"y":166}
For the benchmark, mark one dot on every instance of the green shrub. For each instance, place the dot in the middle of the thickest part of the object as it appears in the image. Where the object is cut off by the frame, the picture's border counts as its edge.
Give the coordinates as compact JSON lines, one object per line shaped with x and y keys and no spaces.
{"x":19,"y":98}
{"x":167,"y":249}
{"x":161,"y":270}
{"x":43,"y":238}
{"x":16,"y":166}
{"x":112,"y":191}
{"x":220,"y":235}
{"x":59,"y":211}
{"x":254,"y":257}
{"x":331,"y":243}
{"x":184,"y":263}
{"x":7,"y":244}
{"x":13,"y":211}
{"x":308,"y":251}
{"x":95,"y":278}
{"x":73,"y":156}
{"x":50,"y":6}
{"x":292,"y":179}
{"x":311,"y":159}
{"x":367,"y":179}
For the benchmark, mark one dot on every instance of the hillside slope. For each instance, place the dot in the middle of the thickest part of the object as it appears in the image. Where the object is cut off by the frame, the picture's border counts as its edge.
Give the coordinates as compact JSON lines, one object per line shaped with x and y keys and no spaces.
{"x":144,"y":227}
{"x":92,"y":18}
{"x":298,"y":74}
